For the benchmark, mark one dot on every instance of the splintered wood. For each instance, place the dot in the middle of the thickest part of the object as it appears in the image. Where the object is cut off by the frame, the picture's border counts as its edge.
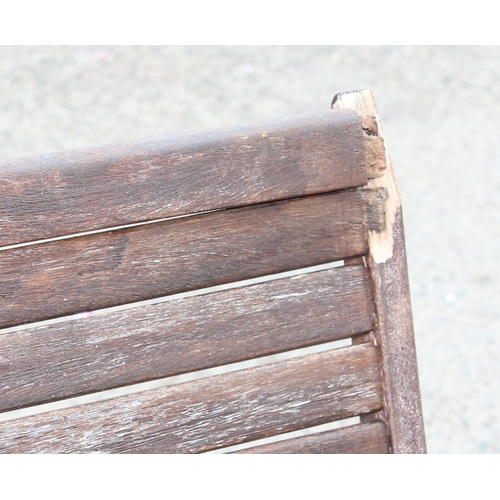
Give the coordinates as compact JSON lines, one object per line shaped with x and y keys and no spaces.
{"x":379,"y":167}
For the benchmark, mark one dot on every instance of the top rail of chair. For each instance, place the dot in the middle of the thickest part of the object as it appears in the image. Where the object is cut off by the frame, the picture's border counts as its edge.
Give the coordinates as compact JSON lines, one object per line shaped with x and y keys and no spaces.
{"x":60,"y":194}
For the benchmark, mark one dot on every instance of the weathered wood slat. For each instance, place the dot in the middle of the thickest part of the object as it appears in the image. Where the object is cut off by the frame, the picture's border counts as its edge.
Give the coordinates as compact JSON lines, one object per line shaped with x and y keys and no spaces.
{"x":210,"y":413}
{"x":102,"y":270}
{"x":88,"y":189}
{"x":124,"y":347}
{"x":359,"y":439}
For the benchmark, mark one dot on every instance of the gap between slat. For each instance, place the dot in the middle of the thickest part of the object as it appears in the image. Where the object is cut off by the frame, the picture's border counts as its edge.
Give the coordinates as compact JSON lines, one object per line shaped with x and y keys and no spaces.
{"x":177,"y":296}
{"x":156,"y":221}
{"x":211,"y":413}
{"x":75,"y":191}
{"x":107,"y":229}
{"x":173,"y":380}
{"x":110,"y":269}
{"x":101,"y":352}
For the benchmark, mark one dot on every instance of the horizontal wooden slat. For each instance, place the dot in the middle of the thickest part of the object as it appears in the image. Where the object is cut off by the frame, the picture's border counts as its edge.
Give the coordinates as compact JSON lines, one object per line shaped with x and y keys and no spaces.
{"x":123,"y":347}
{"x":359,"y":439}
{"x":209,"y":413}
{"x":88,"y":189}
{"x":102,"y":270}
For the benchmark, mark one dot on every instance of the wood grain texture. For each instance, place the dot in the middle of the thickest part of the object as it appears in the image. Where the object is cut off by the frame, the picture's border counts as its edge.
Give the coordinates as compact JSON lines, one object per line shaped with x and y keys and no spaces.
{"x":394,"y":335}
{"x":357,"y":439}
{"x":124,"y":347}
{"x":102,"y":270}
{"x":210,"y":413}
{"x":65,"y":193}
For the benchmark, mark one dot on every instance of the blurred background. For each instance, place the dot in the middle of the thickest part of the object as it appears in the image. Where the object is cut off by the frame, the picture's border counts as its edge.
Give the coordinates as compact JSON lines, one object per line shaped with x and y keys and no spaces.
{"x":440,"y":110}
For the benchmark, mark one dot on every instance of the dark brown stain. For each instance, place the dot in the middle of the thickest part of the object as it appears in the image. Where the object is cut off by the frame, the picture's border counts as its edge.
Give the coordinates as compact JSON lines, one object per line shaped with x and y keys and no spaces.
{"x":9,"y":286}
{"x":108,"y":258}
{"x":376,"y":210}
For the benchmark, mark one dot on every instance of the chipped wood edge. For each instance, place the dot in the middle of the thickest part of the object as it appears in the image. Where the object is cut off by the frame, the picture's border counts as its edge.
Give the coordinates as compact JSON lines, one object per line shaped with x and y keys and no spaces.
{"x":380,"y":172}
{"x":387,"y":263}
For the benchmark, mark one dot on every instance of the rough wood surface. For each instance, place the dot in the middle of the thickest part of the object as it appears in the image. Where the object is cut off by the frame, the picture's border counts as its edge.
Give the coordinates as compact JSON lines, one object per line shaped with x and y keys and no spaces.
{"x":387,"y":263}
{"x":124,"y":347}
{"x":210,"y":413}
{"x":102,"y":270}
{"x":394,"y":334}
{"x":88,"y":189}
{"x":359,"y":439}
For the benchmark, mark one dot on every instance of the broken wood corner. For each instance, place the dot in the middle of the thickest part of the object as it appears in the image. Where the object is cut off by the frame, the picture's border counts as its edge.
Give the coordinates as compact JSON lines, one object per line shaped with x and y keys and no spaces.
{"x":379,"y":167}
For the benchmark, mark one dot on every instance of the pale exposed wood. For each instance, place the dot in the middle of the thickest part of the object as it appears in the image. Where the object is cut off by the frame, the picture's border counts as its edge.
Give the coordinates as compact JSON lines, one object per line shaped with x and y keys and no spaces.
{"x":356,"y":439}
{"x":123,"y":347}
{"x":103,"y":270}
{"x":58,"y":194}
{"x":210,"y":413}
{"x":379,"y":167}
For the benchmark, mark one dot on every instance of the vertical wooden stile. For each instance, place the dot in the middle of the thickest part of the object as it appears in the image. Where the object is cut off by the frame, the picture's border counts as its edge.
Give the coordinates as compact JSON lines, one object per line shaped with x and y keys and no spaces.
{"x":388,"y":268}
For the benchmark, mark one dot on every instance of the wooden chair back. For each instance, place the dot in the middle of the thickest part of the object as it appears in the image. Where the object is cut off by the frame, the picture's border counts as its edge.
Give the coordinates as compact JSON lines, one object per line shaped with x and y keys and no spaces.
{"x":225,"y":266}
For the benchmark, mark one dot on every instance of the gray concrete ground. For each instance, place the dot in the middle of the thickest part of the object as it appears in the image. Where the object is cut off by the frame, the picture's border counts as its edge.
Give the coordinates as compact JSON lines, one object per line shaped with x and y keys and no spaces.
{"x":440,"y":109}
